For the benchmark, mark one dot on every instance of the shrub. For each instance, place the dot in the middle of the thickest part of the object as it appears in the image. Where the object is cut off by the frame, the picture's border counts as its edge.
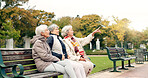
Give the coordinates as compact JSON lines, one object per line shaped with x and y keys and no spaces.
{"x":96,"y":52}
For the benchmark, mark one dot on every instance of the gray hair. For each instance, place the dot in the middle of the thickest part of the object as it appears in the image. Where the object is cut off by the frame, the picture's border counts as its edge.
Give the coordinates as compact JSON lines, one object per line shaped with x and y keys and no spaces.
{"x":65,"y":30}
{"x":40,"y":29}
{"x":52,"y":27}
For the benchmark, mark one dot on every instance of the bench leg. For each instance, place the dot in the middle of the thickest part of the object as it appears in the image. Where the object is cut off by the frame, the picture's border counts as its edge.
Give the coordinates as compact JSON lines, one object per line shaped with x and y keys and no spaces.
{"x":129,"y":64}
{"x":123,"y":68}
{"x":114,"y":63}
{"x":145,"y":57}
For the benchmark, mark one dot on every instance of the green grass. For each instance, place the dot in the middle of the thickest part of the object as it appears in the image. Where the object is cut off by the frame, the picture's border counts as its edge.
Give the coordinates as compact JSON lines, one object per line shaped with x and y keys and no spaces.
{"x":104,"y":52}
{"x":103,"y":63}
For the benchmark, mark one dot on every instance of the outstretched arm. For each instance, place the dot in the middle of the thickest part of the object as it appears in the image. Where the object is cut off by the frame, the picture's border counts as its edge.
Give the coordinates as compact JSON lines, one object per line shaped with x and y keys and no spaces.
{"x":97,"y":30}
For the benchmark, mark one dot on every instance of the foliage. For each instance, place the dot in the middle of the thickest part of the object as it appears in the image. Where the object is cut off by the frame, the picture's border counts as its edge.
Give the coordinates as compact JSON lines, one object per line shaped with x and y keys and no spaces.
{"x":145,"y":33}
{"x":87,"y":24}
{"x":130,"y":52}
{"x":2,"y":43}
{"x":110,"y":41}
{"x":119,"y":28}
{"x":7,"y":31}
{"x":13,"y":3}
{"x":26,"y":20}
{"x":23,"y":20}
{"x":61,"y":22}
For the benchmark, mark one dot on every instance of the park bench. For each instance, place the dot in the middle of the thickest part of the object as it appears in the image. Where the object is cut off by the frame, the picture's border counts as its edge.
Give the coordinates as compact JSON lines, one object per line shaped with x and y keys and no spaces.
{"x":118,"y":54}
{"x":139,"y":53}
{"x":18,"y":63}
{"x":145,"y":53}
{"x":124,"y":55}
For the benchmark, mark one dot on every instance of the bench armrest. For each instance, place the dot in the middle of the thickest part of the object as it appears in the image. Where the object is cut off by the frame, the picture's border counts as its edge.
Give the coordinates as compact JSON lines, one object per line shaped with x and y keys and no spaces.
{"x":126,"y":54}
{"x":119,"y":55}
{"x":3,"y":73}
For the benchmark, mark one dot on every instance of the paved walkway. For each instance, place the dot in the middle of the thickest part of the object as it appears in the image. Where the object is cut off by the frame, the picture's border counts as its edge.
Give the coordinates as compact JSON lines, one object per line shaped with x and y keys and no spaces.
{"x":139,"y":71}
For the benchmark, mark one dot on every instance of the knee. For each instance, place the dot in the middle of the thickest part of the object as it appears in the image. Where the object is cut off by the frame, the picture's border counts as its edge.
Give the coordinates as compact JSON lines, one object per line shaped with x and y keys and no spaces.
{"x":67,"y":61}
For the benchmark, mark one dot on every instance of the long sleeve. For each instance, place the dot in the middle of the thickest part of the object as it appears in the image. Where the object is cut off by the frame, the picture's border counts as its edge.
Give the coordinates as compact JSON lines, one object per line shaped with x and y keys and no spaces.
{"x":86,"y":40}
{"x":57,"y":55}
{"x":43,"y":52}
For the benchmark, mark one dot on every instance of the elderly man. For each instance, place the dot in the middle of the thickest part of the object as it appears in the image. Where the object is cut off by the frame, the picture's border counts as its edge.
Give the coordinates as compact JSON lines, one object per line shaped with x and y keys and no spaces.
{"x":74,"y":47}
{"x":43,"y":58}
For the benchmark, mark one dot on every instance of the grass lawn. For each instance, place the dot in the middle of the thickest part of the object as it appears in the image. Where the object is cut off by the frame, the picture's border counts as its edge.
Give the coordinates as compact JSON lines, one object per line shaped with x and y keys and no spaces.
{"x":103,"y":63}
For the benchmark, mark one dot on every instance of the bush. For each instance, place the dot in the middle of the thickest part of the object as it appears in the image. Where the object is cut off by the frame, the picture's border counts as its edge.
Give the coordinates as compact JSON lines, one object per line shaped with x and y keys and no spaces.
{"x":130,"y":52}
{"x":104,"y":52}
{"x":96,"y":52}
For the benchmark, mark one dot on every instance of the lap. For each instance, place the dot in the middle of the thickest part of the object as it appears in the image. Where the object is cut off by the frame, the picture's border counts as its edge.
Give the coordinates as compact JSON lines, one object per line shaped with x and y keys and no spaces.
{"x":55,"y":67}
{"x":86,"y":63}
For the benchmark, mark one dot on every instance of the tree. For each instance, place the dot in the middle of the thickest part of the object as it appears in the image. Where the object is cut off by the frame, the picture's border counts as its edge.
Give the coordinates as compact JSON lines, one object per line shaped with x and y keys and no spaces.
{"x":23,"y":20}
{"x":7,"y":31}
{"x":13,"y":3}
{"x":145,"y":32}
{"x":61,"y":22}
{"x":87,"y":24}
{"x":119,"y":28}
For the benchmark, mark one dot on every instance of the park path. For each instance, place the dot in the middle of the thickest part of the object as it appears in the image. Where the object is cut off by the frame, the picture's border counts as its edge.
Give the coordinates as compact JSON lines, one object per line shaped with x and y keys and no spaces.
{"x":139,"y":71}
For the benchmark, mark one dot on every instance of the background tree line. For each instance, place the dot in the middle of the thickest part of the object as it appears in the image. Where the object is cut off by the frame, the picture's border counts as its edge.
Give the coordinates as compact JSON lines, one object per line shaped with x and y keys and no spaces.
{"x":16,"y":23}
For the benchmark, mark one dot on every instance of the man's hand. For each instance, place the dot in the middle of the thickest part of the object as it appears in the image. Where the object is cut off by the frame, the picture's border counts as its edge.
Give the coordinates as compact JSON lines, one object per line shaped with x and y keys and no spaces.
{"x":97,"y":30}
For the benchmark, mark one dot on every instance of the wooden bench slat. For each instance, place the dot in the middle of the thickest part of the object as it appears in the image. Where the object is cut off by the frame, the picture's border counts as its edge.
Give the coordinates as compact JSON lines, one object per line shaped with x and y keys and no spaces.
{"x":9,"y":70}
{"x":43,"y":75}
{"x":15,"y":52}
{"x":16,"y":57}
{"x":23,"y":62}
{"x":31,"y":72}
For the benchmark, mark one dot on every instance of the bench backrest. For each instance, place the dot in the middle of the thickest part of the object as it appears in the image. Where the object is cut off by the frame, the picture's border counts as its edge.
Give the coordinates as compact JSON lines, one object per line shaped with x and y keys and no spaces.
{"x":144,"y":50}
{"x":112,"y":53}
{"x":121,"y":51}
{"x":18,"y":56}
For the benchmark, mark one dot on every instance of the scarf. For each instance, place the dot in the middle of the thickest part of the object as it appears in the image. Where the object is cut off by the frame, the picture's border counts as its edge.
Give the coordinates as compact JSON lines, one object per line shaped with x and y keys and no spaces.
{"x":76,"y":45}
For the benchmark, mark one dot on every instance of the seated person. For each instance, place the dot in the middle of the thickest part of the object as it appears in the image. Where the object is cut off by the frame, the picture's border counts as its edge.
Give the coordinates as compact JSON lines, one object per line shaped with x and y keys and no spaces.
{"x":74,"y":47}
{"x":59,"y":50}
{"x":43,"y":57}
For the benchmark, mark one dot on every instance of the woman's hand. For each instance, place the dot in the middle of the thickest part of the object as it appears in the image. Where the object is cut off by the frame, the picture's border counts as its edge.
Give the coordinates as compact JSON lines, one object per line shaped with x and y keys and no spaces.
{"x":97,"y":30}
{"x":68,"y":56}
{"x":82,"y":59}
{"x":63,"y":57}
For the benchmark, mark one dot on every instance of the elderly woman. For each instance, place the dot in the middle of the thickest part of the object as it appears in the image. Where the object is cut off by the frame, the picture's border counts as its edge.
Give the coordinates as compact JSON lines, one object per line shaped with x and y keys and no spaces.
{"x":74,"y":47}
{"x":59,"y":50}
{"x":43,"y":58}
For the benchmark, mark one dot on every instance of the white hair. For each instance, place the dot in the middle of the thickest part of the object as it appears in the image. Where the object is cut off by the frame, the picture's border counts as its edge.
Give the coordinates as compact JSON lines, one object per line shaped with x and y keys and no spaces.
{"x":65,"y":30}
{"x":40,"y":29}
{"x":52,"y":27}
